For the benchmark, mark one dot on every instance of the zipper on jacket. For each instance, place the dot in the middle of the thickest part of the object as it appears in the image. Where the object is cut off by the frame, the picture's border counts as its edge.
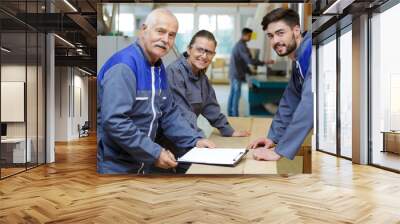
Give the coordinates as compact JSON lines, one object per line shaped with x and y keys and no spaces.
{"x":299,"y":68}
{"x":153,"y":90}
{"x":159,"y":88}
{"x":301,"y":77}
{"x":159,"y":81}
{"x":140,"y":169}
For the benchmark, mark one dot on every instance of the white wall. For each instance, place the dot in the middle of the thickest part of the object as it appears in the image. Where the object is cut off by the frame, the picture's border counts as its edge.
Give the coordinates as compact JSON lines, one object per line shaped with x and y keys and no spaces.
{"x":61,"y":103}
{"x":81,"y":104}
{"x":32,"y":105}
{"x":314,"y":90}
{"x":71,"y":96}
{"x":12,"y":73}
{"x":260,"y":42}
{"x":108,"y":45}
{"x":12,"y":101}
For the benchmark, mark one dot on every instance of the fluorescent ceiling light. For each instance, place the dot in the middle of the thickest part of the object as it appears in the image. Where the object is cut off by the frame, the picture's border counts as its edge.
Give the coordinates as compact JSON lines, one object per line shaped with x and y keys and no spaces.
{"x":337,"y":7}
{"x":332,"y":7}
{"x":65,"y":41}
{"x":5,"y":49}
{"x":70,"y":5}
{"x":80,"y":51}
{"x":84,"y":71}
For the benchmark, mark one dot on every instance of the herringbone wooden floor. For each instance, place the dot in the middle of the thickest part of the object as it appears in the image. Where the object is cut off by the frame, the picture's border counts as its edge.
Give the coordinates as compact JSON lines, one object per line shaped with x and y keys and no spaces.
{"x":70,"y":191}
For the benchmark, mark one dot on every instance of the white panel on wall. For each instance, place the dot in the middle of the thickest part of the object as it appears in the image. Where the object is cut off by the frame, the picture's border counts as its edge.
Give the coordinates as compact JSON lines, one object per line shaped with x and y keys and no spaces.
{"x":76,"y":120}
{"x":108,"y":45}
{"x":247,"y":10}
{"x":12,"y":101}
{"x":394,"y":102}
{"x":216,"y":10}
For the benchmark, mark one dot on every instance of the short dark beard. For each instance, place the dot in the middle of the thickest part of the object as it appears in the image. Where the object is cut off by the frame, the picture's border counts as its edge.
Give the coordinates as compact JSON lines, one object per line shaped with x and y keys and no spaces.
{"x":290,"y":48}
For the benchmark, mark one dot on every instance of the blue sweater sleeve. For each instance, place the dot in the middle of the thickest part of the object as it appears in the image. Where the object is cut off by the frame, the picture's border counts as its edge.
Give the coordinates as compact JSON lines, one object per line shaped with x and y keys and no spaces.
{"x":119,"y":95}
{"x":287,"y":106}
{"x":300,"y":124}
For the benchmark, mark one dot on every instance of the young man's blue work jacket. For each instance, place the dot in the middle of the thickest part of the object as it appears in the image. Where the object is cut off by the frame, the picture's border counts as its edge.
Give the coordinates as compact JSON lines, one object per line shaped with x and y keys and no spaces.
{"x":133,"y":101}
{"x":294,"y":118}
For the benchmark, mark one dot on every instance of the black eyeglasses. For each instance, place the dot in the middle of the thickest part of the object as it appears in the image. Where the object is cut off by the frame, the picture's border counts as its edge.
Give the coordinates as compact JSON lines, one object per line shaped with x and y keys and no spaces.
{"x":201,"y":50}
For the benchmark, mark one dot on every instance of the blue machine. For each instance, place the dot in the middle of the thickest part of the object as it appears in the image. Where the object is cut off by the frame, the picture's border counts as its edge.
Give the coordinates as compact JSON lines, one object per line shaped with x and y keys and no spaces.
{"x":262,"y":90}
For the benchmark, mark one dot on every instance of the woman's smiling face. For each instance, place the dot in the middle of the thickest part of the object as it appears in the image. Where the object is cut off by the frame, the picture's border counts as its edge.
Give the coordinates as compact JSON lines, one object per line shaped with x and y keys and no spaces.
{"x":201,"y":53}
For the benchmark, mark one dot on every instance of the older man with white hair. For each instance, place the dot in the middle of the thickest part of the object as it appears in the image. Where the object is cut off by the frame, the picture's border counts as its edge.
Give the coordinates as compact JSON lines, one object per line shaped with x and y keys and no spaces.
{"x":133,"y":101}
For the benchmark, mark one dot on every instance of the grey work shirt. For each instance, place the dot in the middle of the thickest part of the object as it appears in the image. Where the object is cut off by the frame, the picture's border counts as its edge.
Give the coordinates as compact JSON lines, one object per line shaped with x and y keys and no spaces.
{"x":240,"y":59}
{"x":194,"y":96}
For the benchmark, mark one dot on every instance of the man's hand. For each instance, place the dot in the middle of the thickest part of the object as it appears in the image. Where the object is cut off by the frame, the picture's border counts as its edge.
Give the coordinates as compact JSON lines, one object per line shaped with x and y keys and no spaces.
{"x":266,"y":154}
{"x":205,"y":143}
{"x":166,"y":160}
{"x":240,"y":133}
{"x":261,"y":142}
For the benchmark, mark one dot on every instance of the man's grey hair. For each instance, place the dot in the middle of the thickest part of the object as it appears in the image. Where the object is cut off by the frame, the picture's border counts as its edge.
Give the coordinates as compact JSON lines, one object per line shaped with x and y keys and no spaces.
{"x":154,"y":15}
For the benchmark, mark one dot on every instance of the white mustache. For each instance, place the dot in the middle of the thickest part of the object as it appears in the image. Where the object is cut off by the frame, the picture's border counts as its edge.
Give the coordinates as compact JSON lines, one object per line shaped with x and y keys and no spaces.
{"x":161,"y":46}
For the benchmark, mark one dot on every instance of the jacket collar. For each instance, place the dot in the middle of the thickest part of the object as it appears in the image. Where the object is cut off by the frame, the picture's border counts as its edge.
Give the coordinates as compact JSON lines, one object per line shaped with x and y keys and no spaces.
{"x":303,"y":53}
{"x":137,"y":45}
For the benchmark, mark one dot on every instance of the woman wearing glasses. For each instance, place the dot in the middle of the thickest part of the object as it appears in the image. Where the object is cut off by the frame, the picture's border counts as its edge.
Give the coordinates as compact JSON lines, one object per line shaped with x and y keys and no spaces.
{"x":193,"y":93}
{"x":191,"y":89}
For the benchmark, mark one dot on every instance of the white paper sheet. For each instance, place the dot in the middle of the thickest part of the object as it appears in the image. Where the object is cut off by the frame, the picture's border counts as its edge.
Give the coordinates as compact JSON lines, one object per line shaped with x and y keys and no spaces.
{"x":217,"y":156}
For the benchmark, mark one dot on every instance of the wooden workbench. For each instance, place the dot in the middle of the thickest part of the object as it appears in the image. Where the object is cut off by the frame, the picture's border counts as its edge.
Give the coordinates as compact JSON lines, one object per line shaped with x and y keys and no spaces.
{"x":258,"y":127}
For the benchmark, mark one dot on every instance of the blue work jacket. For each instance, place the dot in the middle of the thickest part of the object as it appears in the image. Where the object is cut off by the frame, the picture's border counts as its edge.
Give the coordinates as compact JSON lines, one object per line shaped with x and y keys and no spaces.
{"x":294,"y":118}
{"x":133,"y":102}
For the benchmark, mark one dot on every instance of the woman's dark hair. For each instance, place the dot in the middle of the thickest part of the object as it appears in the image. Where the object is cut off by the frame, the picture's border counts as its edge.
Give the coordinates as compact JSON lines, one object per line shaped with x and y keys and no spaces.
{"x":203,"y":33}
{"x":289,"y":16}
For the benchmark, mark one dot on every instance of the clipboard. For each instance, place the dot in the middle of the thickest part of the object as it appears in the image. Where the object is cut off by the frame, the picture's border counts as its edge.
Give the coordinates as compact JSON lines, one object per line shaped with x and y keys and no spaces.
{"x":218,"y":156}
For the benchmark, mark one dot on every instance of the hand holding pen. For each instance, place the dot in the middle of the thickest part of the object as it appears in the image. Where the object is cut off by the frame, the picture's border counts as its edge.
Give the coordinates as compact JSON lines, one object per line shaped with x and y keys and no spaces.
{"x":166,"y":160}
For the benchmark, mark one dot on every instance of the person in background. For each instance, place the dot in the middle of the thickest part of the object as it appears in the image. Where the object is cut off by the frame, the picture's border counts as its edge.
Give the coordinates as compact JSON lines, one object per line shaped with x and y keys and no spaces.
{"x":294,"y":118}
{"x":134,"y":101}
{"x":238,"y":68}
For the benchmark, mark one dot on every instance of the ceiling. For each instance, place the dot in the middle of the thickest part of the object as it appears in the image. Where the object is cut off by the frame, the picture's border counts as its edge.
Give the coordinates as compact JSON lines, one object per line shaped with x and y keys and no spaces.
{"x":330,"y":15}
{"x":72,"y":20}
{"x":76,"y":22}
